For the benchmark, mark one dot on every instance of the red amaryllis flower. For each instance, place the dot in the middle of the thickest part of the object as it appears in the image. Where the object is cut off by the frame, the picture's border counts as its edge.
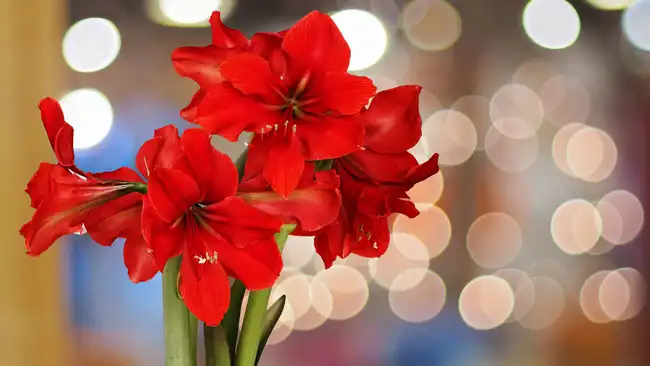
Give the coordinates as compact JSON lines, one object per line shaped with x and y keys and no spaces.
{"x":191,"y":209}
{"x":202,"y":63}
{"x":68,"y":200}
{"x":300,"y":114}
{"x":314,"y":204}
{"x":374,"y":181}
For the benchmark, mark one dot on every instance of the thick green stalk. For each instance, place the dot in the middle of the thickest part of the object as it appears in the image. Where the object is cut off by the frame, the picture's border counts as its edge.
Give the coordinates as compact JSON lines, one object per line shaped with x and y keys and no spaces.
{"x":181,"y":327}
{"x":216,"y":346}
{"x":251,"y":330}
{"x":230,"y":321}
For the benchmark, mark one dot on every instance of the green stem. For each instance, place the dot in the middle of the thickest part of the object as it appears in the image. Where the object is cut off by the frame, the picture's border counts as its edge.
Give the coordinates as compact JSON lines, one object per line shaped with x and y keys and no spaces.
{"x":251,"y":330}
{"x":181,"y":326}
{"x":216,"y":346}
{"x":230,"y":321}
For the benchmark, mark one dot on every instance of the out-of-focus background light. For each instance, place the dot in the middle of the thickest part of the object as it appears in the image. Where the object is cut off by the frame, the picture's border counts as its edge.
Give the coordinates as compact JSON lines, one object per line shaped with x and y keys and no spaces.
{"x":431,"y":25}
{"x":365,"y":34}
{"x":494,"y":240}
{"x":486,"y":302}
{"x":91,"y":44}
{"x":576,"y":226}
{"x":91,"y":115}
{"x":635,"y":24}
{"x":196,"y":13}
{"x":611,"y":4}
{"x":552,"y":24}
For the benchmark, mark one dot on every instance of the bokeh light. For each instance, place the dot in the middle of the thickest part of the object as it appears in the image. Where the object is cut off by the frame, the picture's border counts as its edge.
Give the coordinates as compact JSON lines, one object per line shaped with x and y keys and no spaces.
{"x":486,"y":302}
{"x":386,"y":10}
{"x":590,"y":298}
{"x":622,"y":215}
{"x":534,"y":74}
{"x":638,"y":288}
{"x":611,"y":4}
{"x":420,"y":302}
{"x":298,"y":251}
{"x":508,"y":154}
{"x":349,"y":292}
{"x":516,"y":111}
{"x":91,"y":115}
{"x":552,"y":24}
{"x":452,"y":134}
{"x":523,"y":289}
{"x":91,"y":44}
{"x":400,"y":256}
{"x":576,"y":226}
{"x":432,"y":227}
{"x":365,"y":34}
{"x":591,"y":154}
{"x":194,"y":13}
{"x":494,"y":240}
{"x":565,"y":100}
{"x":431,"y":25}
{"x":636,"y":26}
{"x":560,"y":144}
{"x":296,"y":288}
{"x":477,"y":109}
{"x":547,"y":306}
{"x":614,"y":295}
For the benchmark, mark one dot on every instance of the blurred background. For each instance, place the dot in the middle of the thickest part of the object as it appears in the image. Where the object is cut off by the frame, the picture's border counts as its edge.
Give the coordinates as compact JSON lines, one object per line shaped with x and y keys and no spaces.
{"x":530,"y":249}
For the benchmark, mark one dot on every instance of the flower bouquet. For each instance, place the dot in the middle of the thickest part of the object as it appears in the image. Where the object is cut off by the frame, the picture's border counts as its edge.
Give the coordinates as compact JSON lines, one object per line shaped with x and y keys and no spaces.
{"x":328,"y":159}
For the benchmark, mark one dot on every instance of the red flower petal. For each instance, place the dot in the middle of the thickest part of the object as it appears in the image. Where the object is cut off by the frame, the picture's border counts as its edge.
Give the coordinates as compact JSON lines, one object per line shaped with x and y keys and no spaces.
{"x":138,"y":260}
{"x":265,"y":44}
{"x":223,"y":36}
{"x":200,"y":64}
{"x":213,"y":171}
{"x":321,"y":243}
{"x":71,"y":198}
{"x":205,"y":289}
{"x":379,"y":167}
{"x":344,"y":93}
{"x":227,"y":112}
{"x":171,"y":193}
{"x":59,"y":132}
{"x":315,"y":41}
{"x":252,"y":75}
{"x":165,"y":241}
{"x":376,"y":244}
{"x":330,"y":137}
{"x":333,"y":241}
{"x":120,"y":175}
{"x":160,"y":151}
{"x":423,"y":171}
{"x":284,"y":166}
{"x":189,"y":113}
{"x":393,"y":123}
{"x":115,"y":219}
{"x":312,"y":206}
{"x":39,"y":187}
{"x":239,"y":223}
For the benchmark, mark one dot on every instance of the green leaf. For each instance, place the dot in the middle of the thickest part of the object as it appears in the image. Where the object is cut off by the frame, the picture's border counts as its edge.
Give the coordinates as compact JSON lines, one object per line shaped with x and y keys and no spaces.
{"x":270,"y":320}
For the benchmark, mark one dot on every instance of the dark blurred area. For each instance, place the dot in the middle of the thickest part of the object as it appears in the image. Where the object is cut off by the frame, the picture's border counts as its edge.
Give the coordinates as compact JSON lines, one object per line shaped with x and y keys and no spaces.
{"x":531,"y":248}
